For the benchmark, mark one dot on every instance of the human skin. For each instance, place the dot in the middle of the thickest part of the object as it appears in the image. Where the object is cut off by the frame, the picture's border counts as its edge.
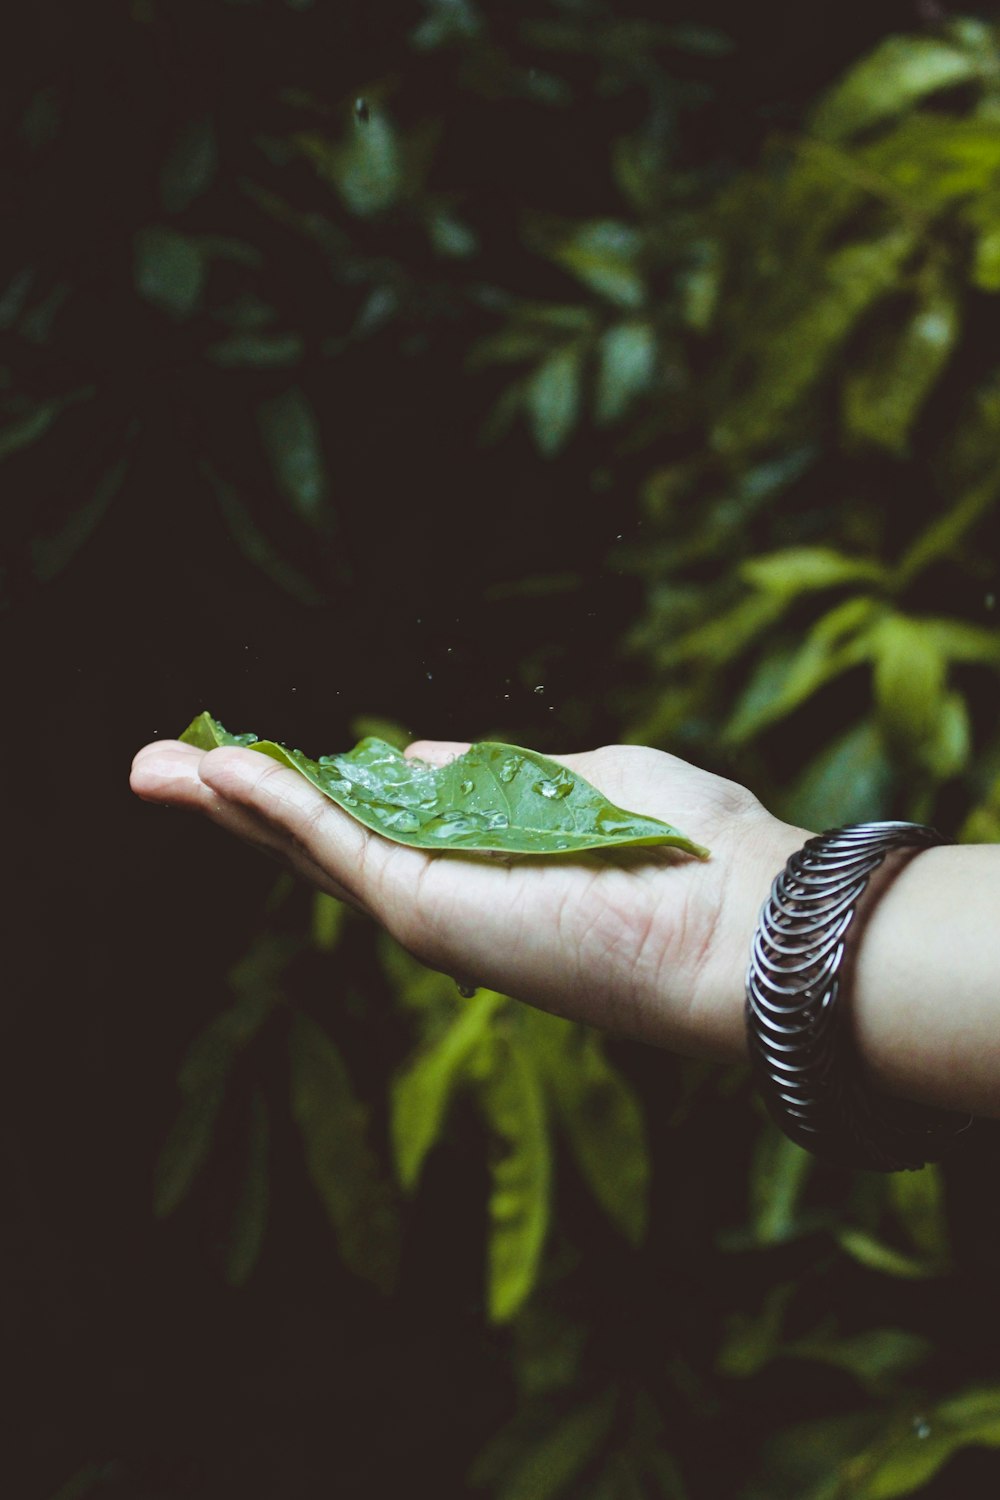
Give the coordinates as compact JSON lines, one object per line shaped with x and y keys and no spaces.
{"x":647,"y":943}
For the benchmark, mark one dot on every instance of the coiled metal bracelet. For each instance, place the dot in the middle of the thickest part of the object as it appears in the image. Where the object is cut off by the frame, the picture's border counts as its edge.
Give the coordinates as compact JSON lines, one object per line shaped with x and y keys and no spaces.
{"x":800,"y":1035}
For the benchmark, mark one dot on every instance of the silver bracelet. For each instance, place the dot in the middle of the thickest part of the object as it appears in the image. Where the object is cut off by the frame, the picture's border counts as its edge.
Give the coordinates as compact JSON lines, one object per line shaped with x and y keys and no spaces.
{"x":801,"y":1043}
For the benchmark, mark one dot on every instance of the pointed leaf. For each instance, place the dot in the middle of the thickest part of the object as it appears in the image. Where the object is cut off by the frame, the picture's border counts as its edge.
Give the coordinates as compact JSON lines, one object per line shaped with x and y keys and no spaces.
{"x":882,"y":400}
{"x":799,"y":570}
{"x":420,"y":1095}
{"x":552,"y":396}
{"x":519,"y":1202}
{"x":169,"y":270}
{"x":344,"y":1170}
{"x":494,"y":797}
{"x":250,"y":1217}
{"x":600,"y":1116}
{"x":898,"y":73}
{"x":628,"y":360}
{"x":554,"y":1462}
{"x":291,"y":438}
{"x":603,"y":255}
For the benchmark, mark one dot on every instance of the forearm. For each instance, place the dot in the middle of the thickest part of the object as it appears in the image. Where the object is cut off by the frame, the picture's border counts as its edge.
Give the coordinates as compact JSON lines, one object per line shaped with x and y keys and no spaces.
{"x":926,"y":988}
{"x":922,"y":980}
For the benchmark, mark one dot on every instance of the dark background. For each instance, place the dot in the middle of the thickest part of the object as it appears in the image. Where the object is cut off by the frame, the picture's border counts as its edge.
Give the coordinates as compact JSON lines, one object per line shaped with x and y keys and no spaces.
{"x":132,"y":1368}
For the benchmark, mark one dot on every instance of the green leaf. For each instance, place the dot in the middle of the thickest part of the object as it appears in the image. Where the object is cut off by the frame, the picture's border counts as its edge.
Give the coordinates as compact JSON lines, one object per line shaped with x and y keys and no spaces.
{"x":327,"y":921}
{"x":600,"y":1116}
{"x":780,"y":1173}
{"x":555,"y":1461}
{"x":367,"y":170}
{"x":628,"y":360}
{"x":871,"y":1252}
{"x":190,"y":166}
{"x":972,"y":1419}
{"x":514,"y":1109}
{"x":421,"y":1093}
{"x":883,"y":398}
{"x":792,"y":358}
{"x":876,"y":1357}
{"x":291,"y":439}
{"x":946,"y":531}
{"x":169,"y":270}
{"x":919,"y":1204}
{"x":909,"y":681}
{"x":850,"y":781}
{"x":344,"y":1170}
{"x":250,"y":1217}
{"x":257,"y":351}
{"x":799,"y":570}
{"x":778,"y":688}
{"x":896,"y":75}
{"x":189,"y":1141}
{"x":603,"y":254}
{"x":494,"y":797}
{"x":552,"y":397}
{"x":51,"y":553}
{"x":255,"y":546}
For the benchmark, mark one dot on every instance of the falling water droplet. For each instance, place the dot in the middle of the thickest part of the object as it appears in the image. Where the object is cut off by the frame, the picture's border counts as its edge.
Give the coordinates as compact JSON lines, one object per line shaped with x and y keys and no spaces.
{"x":540,"y":688}
{"x":362,"y":111}
{"x":921,"y":1427}
{"x":465,"y":989}
{"x":990,"y":602}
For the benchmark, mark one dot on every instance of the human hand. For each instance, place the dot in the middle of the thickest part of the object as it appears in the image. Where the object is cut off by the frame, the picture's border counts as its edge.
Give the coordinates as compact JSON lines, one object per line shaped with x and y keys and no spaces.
{"x":649,"y":943}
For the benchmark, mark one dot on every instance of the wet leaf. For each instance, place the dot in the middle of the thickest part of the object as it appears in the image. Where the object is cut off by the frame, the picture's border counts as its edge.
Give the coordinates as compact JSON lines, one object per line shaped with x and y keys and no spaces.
{"x":494,"y":797}
{"x":421,"y":1093}
{"x":344,"y":1170}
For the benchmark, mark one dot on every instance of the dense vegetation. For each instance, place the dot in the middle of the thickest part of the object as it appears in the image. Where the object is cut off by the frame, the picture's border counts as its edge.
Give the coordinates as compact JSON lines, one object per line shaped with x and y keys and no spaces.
{"x":697,"y":324}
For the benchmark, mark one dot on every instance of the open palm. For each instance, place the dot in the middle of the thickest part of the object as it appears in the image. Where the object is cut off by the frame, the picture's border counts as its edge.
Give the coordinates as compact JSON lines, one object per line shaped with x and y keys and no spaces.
{"x":648,"y":942}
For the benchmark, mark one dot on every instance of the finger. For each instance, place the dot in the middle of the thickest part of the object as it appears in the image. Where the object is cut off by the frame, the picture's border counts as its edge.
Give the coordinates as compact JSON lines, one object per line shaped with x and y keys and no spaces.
{"x":436,"y":752}
{"x":168,"y":772}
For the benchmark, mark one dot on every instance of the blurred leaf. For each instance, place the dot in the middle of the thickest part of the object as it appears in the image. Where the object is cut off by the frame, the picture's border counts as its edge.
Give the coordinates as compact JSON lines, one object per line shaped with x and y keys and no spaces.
{"x":778,"y":1178}
{"x":931,"y":1440}
{"x":27,"y":427}
{"x":552,"y":396}
{"x":882,"y":399}
{"x":603,"y":255}
{"x":514,"y":1109}
{"x":849,"y":781}
{"x":366,"y":169}
{"x":792,"y":359}
{"x":797,"y":570}
{"x":600,"y":1116}
{"x":255,"y":547}
{"x":421,"y":1093}
{"x":257,"y":351}
{"x":250,"y":1216}
{"x":190,"y":1138}
{"x":627,"y":364}
{"x":945,"y":532}
{"x":14,"y":297}
{"x":561,"y":1455}
{"x":877,"y":1358}
{"x":774,"y":694}
{"x":51,"y":553}
{"x":871,"y":1252}
{"x":328,"y":916}
{"x":900,"y":71}
{"x":190,"y":165}
{"x":291,"y":439}
{"x":909,"y":681}
{"x":450,"y":236}
{"x":751,"y":1342}
{"x":169,"y":270}
{"x":346,"y":1174}
{"x":919,"y":1204}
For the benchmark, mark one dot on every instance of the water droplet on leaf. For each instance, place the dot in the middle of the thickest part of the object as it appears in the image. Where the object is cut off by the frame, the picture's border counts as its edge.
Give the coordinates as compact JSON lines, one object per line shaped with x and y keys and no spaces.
{"x":509,"y":768}
{"x":465,"y":787}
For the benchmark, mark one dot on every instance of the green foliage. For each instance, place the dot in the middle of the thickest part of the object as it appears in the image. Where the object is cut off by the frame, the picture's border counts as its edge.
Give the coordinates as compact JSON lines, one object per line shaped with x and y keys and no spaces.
{"x":492,"y":797}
